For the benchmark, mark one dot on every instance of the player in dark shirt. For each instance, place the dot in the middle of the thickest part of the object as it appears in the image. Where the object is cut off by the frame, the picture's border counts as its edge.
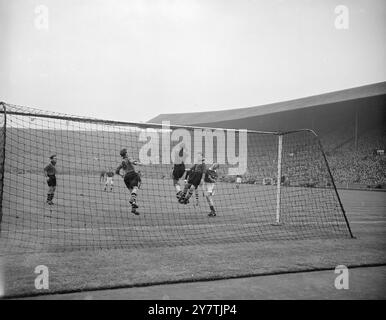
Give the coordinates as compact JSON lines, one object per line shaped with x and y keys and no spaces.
{"x":50,"y":174}
{"x":130,"y":177}
{"x":210,"y":180}
{"x":193,"y":179}
{"x":179,"y":169}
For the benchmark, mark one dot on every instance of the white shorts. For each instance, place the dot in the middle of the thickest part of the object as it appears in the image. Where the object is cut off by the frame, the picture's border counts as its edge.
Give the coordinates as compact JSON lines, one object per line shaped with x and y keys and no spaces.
{"x":109,"y":180}
{"x":238,"y":180}
{"x":209,"y":187}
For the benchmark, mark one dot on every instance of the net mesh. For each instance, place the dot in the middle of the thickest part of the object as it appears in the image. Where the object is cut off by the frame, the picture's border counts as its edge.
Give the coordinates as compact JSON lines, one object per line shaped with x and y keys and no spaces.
{"x":90,"y":212}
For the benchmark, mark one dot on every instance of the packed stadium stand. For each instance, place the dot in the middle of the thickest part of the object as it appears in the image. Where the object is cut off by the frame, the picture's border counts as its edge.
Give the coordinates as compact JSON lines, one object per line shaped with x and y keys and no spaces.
{"x":350,"y":124}
{"x":365,"y":164}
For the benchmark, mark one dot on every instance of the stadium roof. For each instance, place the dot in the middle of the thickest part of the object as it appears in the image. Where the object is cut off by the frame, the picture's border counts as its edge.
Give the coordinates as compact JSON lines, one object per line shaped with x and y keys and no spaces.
{"x":192,"y":118}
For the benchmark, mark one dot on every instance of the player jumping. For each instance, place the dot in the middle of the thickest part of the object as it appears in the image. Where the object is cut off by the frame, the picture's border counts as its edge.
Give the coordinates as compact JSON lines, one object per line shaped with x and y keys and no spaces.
{"x":210,"y":181}
{"x":50,"y":174}
{"x":109,"y":179}
{"x":194,"y":177}
{"x":130,"y":177}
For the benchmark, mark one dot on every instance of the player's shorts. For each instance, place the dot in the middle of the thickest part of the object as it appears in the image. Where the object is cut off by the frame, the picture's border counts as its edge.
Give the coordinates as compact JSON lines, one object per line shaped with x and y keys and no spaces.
{"x":109,"y":180}
{"x":51,"y":181}
{"x":195,"y":179}
{"x":238,"y":180}
{"x":178,"y":171}
{"x":209,"y":187}
{"x":132,"y":179}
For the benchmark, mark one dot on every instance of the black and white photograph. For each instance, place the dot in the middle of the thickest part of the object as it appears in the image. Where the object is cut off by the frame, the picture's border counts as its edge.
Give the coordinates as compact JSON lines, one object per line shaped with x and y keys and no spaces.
{"x":193,"y":155}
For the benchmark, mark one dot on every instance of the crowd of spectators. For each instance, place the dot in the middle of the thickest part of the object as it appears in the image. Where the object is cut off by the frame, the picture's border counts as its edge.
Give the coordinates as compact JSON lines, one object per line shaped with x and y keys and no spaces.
{"x":362,"y":164}
{"x":303,"y":163}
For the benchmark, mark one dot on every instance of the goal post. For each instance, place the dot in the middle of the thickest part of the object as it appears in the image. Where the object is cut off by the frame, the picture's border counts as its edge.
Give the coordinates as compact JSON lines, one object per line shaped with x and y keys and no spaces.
{"x":88,"y":214}
{"x":3,"y":124}
{"x":278,"y":178}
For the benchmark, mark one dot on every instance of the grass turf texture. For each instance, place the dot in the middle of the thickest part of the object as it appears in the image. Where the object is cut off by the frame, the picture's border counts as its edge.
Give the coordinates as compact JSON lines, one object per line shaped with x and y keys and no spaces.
{"x":86,"y":217}
{"x":98,"y":269}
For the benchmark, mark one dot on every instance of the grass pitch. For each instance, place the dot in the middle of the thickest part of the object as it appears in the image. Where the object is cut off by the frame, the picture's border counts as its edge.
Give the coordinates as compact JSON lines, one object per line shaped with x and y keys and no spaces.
{"x":85,"y":217}
{"x":80,"y":270}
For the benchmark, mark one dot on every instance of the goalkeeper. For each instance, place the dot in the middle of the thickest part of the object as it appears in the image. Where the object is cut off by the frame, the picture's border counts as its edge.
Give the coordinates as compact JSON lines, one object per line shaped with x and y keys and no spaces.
{"x":130,"y":177}
{"x":193,"y":177}
{"x":50,"y":174}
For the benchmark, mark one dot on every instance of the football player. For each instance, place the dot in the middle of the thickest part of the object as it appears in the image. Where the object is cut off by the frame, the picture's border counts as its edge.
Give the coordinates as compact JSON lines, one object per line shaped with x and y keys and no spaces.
{"x":179,"y":169}
{"x":238,"y":181}
{"x":50,"y":174}
{"x":193,"y":180}
{"x":210,"y":180}
{"x":130,"y":177}
{"x":109,"y":179}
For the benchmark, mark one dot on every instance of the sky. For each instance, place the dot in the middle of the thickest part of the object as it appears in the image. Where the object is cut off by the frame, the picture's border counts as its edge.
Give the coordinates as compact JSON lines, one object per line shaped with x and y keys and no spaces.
{"x":132,"y":60}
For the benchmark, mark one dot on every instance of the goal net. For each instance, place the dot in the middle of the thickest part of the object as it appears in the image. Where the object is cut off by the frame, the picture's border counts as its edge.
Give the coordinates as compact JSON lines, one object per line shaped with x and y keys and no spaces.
{"x":90,"y":211}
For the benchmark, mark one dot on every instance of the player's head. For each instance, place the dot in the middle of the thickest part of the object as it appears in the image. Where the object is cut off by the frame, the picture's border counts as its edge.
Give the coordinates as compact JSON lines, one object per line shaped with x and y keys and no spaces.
{"x":123,"y":153}
{"x":53,"y":159}
{"x":200,"y":157}
{"x":215,"y":166}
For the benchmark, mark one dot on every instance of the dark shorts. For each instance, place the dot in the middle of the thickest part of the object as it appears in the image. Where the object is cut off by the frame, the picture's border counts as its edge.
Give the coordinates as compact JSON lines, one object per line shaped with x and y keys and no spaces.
{"x":195,"y":179}
{"x":132,"y":179}
{"x":51,"y":181}
{"x":178,"y":171}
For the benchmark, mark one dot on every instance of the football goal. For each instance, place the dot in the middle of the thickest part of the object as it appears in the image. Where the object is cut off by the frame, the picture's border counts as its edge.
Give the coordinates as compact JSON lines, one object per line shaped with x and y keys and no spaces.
{"x":60,"y":188}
